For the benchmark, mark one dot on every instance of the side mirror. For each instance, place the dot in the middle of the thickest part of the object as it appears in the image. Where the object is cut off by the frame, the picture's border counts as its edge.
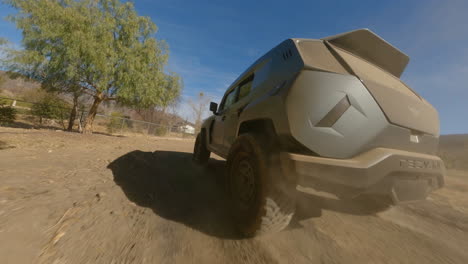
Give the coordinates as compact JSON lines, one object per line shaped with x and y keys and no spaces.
{"x":213,"y":107}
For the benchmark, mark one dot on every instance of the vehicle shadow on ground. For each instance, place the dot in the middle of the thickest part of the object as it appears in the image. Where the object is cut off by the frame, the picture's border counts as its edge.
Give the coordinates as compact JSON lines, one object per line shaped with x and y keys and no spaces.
{"x":177,"y":189}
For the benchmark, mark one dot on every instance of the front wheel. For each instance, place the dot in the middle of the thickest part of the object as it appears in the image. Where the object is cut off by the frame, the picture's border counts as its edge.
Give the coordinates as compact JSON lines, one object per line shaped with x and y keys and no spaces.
{"x":262,"y":200}
{"x":201,"y":154}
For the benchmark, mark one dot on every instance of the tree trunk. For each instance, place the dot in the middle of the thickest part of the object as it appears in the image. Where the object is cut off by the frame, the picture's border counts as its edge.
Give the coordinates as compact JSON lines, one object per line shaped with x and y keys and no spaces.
{"x":73,"y":113}
{"x":88,"y":129}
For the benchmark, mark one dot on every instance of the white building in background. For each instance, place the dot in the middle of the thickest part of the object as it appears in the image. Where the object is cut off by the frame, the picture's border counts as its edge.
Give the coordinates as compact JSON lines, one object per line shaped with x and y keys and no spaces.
{"x":187,"y":129}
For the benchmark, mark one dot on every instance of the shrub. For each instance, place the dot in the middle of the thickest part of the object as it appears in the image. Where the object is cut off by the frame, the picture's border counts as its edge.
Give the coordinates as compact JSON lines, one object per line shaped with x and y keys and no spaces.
{"x":51,"y":107}
{"x":160,"y":131}
{"x":115,"y":124}
{"x":7,"y":114}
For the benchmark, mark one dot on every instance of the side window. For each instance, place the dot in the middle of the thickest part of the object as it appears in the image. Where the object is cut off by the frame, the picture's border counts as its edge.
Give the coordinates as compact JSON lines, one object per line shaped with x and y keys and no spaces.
{"x":229,"y":99}
{"x":246,"y":87}
{"x":238,"y":93}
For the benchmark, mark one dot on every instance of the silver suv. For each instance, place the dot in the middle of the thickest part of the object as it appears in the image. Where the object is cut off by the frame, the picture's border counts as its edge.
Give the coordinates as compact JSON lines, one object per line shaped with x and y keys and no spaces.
{"x":331,"y":114}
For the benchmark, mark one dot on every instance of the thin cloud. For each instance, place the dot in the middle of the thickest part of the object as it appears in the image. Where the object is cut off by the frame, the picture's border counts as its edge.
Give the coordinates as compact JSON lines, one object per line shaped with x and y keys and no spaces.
{"x":199,"y":77}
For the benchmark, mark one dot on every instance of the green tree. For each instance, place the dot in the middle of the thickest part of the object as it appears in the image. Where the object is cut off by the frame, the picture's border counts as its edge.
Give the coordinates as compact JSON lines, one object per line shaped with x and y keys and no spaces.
{"x":30,"y":64}
{"x":68,"y":87}
{"x":98,"y":47}
{"x":172,"y":86}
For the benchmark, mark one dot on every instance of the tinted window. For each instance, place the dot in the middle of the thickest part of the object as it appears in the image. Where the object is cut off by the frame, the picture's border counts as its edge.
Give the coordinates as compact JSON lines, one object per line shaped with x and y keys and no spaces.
{"x":229,"y":99}
{"x":245,"y":88}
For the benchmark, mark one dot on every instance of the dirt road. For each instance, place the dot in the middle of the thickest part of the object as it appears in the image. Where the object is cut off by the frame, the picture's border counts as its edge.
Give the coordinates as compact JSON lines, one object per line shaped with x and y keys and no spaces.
{"x":71,"y":198}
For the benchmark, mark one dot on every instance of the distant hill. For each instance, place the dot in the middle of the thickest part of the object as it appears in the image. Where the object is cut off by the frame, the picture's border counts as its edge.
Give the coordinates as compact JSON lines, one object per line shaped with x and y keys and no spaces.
{"x":453,"y":149}
{"x":15,"y":88}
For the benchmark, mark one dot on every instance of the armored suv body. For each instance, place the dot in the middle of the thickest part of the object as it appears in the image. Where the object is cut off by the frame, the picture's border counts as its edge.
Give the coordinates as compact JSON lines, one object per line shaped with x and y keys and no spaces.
{"x":331,"y":114}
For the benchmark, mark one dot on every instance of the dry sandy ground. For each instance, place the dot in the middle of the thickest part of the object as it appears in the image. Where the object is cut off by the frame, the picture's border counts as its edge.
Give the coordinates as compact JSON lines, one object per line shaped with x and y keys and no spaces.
{"x":70,"y":198}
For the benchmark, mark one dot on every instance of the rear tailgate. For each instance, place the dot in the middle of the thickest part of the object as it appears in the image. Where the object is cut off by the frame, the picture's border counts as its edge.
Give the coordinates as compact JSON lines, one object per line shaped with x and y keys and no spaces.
{"x":401,"y":105}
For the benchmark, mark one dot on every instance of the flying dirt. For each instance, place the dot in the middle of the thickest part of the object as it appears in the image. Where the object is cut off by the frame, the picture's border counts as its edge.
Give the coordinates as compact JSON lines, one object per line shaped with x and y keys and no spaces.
{"x":71,"y":198}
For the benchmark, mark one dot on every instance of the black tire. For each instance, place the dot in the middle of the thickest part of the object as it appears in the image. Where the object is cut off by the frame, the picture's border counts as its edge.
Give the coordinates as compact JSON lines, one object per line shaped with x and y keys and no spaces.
{"x":262,"y":200}
{"x":201,"y":154}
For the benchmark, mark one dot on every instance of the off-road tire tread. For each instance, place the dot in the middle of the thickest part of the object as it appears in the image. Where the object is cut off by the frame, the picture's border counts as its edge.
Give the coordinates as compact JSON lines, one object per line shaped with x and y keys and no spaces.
{"x":201,"y":156}
{"x":277,"y":205}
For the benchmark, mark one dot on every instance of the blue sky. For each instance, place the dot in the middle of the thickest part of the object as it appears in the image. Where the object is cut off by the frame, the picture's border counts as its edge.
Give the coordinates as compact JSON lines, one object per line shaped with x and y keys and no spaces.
{"x":212,"y":42}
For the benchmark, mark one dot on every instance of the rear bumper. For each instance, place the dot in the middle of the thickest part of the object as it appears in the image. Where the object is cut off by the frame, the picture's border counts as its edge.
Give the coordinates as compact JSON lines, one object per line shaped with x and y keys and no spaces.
{"x":403,"y":175}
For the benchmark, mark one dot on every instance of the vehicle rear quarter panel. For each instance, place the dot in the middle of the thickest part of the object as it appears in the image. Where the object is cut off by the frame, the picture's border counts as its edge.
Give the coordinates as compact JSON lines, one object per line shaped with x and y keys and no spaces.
{"x":267,"y":98}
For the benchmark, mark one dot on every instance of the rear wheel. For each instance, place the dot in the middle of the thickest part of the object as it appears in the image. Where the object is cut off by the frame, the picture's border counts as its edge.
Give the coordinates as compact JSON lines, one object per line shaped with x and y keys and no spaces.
{"x":201,"y":154}
{"x":262,"y":200}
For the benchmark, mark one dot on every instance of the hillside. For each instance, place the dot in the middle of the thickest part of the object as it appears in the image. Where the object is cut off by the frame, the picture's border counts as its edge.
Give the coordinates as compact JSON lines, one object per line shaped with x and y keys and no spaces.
{"x":453,"y":149}
{"x":15,"y":88}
